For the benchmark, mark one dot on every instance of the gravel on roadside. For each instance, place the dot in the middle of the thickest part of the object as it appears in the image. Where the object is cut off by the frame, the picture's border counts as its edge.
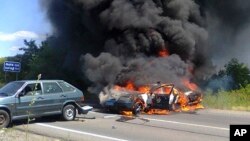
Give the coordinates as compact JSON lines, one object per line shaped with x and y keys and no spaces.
{"x":11,"y":134}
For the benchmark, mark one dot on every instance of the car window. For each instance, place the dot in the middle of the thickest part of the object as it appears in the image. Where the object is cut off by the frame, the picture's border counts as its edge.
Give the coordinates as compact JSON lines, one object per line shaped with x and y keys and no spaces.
{"x":10,"y":88}
{"x":159,"y":91}
{"x":167,"y":89}
{"x":51,"y":87}
{"x":163,"y":90}
{"x":32,"y":89}
{"x":66,"y":87}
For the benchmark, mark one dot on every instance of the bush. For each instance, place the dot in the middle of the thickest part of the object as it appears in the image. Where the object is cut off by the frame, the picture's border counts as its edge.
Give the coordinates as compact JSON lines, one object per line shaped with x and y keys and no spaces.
{"x":232,"y":100}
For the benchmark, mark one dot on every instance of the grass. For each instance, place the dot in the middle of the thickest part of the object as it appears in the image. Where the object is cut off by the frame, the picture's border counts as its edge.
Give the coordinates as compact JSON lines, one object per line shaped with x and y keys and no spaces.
{"x":230,"y":100}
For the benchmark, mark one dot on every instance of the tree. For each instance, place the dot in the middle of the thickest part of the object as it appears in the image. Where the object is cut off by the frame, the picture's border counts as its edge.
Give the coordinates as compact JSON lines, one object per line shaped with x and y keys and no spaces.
{"x":234,"y":76}
{"x":45,"y":63}
{"x":2,"y":74}
{"x":31,"y":50}
{"x":239,"y":72}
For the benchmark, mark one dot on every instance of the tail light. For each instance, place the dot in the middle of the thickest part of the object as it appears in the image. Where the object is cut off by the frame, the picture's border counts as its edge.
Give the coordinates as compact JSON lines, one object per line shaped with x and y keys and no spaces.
{"x":82,"y":98}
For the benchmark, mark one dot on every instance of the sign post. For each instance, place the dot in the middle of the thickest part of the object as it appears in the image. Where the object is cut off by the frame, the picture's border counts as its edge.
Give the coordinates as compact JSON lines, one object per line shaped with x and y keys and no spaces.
{"x":10,"y":66}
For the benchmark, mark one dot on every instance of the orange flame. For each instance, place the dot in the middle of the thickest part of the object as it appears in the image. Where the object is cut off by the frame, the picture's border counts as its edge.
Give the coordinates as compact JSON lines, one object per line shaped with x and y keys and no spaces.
{"x":126,"y":113}
{"x":183,"y":99}
{"x":130,"y":86}
{"x":143,"y":89}
{"x":158,"y":112}
{"x":117,"y":88}
{"x":190,"y":85}
{"x":163,"y":53}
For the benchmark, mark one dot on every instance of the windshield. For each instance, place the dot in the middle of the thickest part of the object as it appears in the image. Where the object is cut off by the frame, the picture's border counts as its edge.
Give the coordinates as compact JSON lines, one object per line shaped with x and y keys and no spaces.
{"x":10,"y":88}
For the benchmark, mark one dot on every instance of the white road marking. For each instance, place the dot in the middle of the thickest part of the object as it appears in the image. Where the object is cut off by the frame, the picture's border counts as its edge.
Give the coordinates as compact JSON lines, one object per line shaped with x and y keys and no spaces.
{"x":80,"y":132}
{"x":176,"y":122}
{"x":190,"y":124}
{"x":111,"y":116}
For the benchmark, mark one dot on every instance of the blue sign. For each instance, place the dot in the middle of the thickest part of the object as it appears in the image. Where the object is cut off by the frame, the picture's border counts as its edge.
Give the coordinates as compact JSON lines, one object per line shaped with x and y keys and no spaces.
{"x":10,"y":66}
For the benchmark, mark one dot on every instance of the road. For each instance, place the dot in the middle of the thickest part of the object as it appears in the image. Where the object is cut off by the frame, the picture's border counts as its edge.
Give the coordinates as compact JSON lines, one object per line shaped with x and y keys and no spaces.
{"x":205,"y":125}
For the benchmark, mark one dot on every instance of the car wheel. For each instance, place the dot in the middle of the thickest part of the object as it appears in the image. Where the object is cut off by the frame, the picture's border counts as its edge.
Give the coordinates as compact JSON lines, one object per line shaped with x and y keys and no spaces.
{"x":69,"y":112}
{"x":137,"y":109}
{"x":4,"y":119}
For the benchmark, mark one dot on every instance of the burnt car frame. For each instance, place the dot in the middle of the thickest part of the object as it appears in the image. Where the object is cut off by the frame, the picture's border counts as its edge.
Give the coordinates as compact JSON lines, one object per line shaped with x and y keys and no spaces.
{"x":160,"y":96}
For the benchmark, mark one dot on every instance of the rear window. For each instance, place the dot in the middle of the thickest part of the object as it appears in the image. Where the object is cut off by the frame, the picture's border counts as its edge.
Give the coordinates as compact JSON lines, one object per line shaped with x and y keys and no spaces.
{"x":66,"y":87}
{"x":51,"y":87}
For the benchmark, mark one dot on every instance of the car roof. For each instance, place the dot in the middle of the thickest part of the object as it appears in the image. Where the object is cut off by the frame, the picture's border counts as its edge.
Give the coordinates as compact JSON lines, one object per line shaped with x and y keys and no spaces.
{"x":156,"y":86}
{"x":34,"y":81}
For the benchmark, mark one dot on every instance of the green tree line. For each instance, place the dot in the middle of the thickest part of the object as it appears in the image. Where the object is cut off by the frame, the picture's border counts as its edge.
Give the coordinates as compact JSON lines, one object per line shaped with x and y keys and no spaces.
{"x":233,"y":76}
{"x":39,"y":59}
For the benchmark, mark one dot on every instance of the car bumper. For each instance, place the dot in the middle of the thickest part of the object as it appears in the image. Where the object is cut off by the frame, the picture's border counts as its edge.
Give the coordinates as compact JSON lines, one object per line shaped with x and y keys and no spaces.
{"x":83,"y":109}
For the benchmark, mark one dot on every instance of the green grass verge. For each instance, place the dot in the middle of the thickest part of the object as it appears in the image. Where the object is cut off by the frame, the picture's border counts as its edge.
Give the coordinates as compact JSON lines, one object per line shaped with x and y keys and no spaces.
{"x":230,"y":100}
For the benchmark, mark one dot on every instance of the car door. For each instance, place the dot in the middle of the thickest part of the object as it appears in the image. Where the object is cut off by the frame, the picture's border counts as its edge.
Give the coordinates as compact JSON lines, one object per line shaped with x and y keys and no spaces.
{"x":28,"y":101}
{"x":52,"y":94}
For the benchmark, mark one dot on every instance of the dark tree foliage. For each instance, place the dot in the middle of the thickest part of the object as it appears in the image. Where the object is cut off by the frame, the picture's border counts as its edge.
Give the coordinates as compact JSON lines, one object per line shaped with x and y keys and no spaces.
{"x":234,"y":76}
{"x":239,"y":72}
{"x":49,"y":61}
{"x":42,"y":59}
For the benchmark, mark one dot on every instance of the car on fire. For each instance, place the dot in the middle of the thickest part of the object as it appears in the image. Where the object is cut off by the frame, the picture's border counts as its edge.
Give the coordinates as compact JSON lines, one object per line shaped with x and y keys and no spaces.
{"x":160,"y":96}
{"x":36,"y":98}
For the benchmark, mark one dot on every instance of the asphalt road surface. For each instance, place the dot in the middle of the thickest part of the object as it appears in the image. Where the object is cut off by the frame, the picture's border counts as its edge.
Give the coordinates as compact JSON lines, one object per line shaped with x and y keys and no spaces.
{"x":205,"y":125}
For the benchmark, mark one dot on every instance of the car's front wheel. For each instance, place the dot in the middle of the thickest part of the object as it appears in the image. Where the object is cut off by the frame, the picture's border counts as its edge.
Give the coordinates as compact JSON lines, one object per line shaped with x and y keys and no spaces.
{"x":69,"y":112}
{"x":137,"y":109}
{"x":4,"y":119}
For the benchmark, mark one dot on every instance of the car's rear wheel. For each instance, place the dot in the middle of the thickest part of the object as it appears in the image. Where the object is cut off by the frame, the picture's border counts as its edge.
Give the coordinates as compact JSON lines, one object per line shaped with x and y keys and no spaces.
{"x":69,"y":112}
{"x":137,"y":109}
{"x":4,"y":119}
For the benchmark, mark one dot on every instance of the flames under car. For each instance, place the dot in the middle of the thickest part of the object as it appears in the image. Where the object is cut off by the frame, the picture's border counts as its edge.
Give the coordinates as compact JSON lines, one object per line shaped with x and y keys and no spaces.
{"x":159,"y":97}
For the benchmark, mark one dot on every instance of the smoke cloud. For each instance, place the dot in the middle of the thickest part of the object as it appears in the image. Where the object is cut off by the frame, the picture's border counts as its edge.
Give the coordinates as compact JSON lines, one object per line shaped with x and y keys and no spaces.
{"x":114,"y":41}
{"x":228,"y":24}
{"x":120,"y":40}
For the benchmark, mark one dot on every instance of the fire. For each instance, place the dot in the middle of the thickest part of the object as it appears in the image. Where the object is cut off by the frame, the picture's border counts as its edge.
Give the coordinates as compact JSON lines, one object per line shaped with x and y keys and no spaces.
{"x":143,"y":89}
{"x":190,"y":85}
{"x":130,"y":86}
{"x":126,"y":113}
{"x":184,"y":103}
{"x":158,"y":112}
{"x":163,"y":53}
{"x":150,"y":112}
{"x":117,"y":88}
{"x":182,"y":100}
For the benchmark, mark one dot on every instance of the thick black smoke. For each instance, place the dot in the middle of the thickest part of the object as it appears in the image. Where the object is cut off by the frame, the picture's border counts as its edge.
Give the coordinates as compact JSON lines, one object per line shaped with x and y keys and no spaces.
{"x":120,"y":40}
{"x":228,"y":25}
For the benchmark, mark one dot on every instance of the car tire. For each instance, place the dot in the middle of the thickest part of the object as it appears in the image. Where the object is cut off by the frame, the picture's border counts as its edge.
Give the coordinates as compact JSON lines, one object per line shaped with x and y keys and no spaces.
{"x":4,"y":119}
{"x":69,"y":112}
{"x":137,"y":109}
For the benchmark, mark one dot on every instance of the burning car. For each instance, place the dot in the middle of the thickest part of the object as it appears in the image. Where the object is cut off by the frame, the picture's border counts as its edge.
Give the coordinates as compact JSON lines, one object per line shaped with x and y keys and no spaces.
{"x":159,"y":99}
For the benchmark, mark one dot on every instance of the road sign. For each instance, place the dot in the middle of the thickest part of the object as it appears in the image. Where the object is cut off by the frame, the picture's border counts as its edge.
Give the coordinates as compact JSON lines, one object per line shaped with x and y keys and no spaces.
{"x":10,"y":66}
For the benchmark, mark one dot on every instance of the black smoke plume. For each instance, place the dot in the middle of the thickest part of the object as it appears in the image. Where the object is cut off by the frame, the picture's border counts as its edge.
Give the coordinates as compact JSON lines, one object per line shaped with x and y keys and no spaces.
{"x":228,"y":25}
{"x":115,"y":41}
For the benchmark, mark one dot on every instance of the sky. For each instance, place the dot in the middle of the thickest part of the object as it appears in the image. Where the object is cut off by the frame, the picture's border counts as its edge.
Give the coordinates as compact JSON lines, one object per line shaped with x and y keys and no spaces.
{"x":19,"y":20}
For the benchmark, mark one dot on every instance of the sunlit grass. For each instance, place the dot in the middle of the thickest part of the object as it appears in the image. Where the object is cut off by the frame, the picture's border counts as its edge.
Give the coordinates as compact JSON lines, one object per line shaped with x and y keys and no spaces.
{"x":231,"y":100}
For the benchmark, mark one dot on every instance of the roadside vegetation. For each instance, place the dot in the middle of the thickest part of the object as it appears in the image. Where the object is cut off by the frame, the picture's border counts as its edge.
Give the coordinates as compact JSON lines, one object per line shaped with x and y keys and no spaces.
{"x":230,"y":88}
{"x":229,"y":100}
{"x":42,"y":59}
{"x":13,"y":134}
